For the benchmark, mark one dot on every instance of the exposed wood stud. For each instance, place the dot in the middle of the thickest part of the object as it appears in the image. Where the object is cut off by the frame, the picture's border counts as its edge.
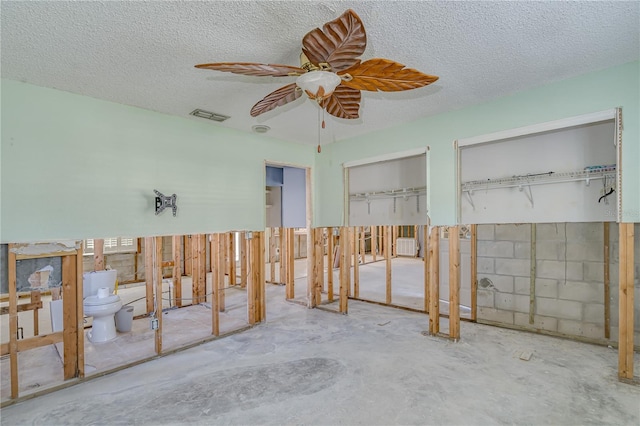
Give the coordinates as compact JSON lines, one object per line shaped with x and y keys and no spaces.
{"x":434,"y":281}
{"x":261,"y":278}
{"x":187,"y":255}
{"x":388,"y":249}
{"x":290,"y":269}
{"x":158,"y":283}
{"x":330,"y":262}
{"x":69,"y":321}
{"x":232,"y":258}
{"x":474,"y":272}
{"x":36,"y":299}
{"x":215,"y":279}
{"x":251,"y":284}
{"x":98,"y":255}
{"x":312,"y":266}
{"x":425,"y":258}
{"x":356,"y":264}
{"x":243,"y":260}
{"x":272,"y":255}
{"x":345,"y":268}
{"x":607,"y":282}
{"x":221,"y":251}
{"x":148,"y":272}
{"x":281,"y":255}
{"x":176,"y":248}
{"x":363,"y":246}
{"x":80,"y":313}
{"x":454,"y":282}
{"x":394,"y":239}
{"x":374,"y":242}
{"x":13,"y":322}
{"x":626,"y":278}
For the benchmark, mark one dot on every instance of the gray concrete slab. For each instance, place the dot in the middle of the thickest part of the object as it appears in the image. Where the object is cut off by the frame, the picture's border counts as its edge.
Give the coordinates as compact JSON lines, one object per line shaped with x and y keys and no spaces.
{"x":371,"y":367}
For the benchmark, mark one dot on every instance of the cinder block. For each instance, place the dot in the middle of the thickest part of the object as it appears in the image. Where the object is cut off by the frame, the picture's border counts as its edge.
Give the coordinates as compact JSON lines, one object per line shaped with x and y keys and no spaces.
{"x":550,"y":232}
{"x":522,"y":250}
{"x":490,"y":314}
{"x":485,"y":265}
{"x":518,"y":267}
{"x":521,"y":285}
{"x":512,"y":302}
{"x":577,"y":328}
{"x":485,"y":232}
{"x":550,"y":250}
{"x":501,"y":283}
{"x":513,"y":232}
{"x":585,"y":251}
{"x":556,"y":308}
{"x":546,"y":288}
{"x":594,"y":313}
{"x":594,"y":271}
{"x":485,"y":298}
{"x":559,"y":270}
{"x":581,"y":291}
{"x":585,"y":232}
{"x":495,"y":248}
{"x":539,"y":322}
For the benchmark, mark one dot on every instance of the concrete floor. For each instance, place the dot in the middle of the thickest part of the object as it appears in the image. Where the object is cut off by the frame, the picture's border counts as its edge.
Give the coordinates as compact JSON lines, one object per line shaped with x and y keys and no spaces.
{"x":373,"y":366}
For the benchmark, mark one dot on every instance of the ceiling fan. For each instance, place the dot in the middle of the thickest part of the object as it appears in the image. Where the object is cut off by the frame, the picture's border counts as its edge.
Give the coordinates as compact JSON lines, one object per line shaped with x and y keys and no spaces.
{"x":330,"y":71}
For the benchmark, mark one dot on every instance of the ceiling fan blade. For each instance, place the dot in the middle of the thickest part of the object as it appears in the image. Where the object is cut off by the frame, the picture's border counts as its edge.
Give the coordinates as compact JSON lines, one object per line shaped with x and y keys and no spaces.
{"x":338,"y":43}
{"x":385,"y":75}
{"x":280,"y":97}
{"x":250,"y":68}
{"x":343,"y":103}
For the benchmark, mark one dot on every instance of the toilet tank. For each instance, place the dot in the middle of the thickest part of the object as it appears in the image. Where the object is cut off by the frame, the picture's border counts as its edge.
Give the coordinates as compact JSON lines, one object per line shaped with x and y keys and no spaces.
{"x":92,"y":281}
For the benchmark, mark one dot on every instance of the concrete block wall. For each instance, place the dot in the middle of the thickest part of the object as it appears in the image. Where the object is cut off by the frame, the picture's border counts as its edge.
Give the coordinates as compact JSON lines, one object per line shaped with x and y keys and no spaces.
{"x":569,"y":284}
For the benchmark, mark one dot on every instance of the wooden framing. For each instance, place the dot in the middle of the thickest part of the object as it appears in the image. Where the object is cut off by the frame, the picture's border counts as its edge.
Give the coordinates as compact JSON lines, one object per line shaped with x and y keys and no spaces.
{"x":374,"y":242}
{"x":187,"y":255}
{"x":388,"y":250}
{"x":330,"y":261}
{"x":198,"y":268}
{"x":256,"y":306}
{"x":363,"y":245}
{"x":148,"y":272}
{"x":98,"y":255}
{"x":345,"y":269}
{"x":220,"y":251}
{"x":454,"y":282}
{"x":355,"y":247}
{"x":251,"y":281}
{"x":312,"y":266}
{"x":289,"y":262}
{"x":232,"y":258}
{"x":474,"y":272}
{"x":72,"y":335}
{"x":319,"y":266}
{"x":176,"y":251}
{"x":157,"y":278}
{"x":607,"y":282}
{"x":626,"y":278}
{"x":244,"y":259}
{"x":434,"y":281}
{"x":215,"y":278}
{"x":272,"y":256}
{"x":282,"y":250}
{"x":425,"y":256}
{"x":261,"y":278}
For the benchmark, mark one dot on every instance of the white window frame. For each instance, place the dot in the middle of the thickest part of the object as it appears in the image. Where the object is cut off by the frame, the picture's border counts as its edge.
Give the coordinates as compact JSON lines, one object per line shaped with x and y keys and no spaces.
{"x":112,"y":245}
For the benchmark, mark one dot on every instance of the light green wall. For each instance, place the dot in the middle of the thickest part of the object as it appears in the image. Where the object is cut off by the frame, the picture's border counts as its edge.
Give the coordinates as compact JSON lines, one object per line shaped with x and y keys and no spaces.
{"x":598,"y":91}
{"x":76,"y":167}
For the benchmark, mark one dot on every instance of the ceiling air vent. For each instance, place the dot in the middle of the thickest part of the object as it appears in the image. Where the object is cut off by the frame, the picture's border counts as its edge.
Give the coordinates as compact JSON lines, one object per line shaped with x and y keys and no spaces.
{"x":208,"y":115}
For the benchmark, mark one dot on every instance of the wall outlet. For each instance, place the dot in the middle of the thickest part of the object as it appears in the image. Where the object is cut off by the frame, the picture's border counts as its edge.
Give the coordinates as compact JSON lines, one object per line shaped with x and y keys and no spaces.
{"x":154,"y":323}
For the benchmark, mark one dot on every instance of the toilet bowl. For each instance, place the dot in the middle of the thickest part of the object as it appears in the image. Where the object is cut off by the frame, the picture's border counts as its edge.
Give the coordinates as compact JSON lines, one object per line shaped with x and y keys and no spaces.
{"x":101,"y":304}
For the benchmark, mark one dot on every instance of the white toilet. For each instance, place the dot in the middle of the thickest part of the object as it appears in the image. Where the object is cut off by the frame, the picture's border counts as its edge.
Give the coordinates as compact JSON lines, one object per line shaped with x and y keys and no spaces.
{"x":101,"y":304}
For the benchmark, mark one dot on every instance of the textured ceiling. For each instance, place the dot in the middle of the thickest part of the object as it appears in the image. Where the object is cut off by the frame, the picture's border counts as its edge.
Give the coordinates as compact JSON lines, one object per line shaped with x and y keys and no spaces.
{"x":143,"y":53}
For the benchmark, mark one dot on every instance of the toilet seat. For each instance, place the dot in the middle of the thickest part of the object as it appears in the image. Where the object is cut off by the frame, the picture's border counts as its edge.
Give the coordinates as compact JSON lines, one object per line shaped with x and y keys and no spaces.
{"x":96,"y":301}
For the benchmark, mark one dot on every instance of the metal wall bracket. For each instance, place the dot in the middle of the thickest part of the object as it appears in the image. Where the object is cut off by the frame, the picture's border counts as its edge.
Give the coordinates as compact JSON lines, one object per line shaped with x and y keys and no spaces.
{"x":163,"y":201}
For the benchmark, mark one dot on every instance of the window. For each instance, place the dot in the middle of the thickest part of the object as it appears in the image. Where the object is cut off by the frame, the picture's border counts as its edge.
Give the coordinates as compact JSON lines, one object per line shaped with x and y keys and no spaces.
{"x":113,"y":245}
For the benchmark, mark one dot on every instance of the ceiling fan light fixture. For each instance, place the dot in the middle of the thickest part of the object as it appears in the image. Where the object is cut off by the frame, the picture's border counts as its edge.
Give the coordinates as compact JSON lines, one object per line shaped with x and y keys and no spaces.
{"x":318,"y":84}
